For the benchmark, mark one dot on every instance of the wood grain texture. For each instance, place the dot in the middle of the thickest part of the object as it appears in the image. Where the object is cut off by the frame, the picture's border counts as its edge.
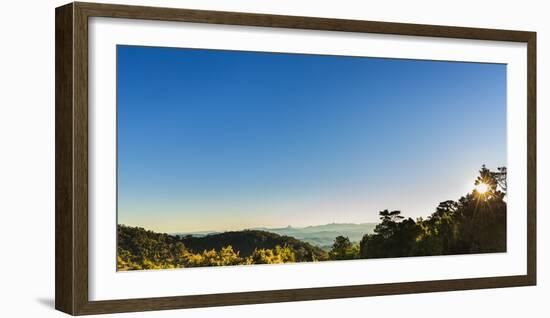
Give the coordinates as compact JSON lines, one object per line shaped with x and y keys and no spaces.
{"x":297,"y":22}
{"x":72,"y":157}
{"x":532,"y":158}
{"x":164,"y":303}
{"x":80,"y":144}
{"x":64,"y":235}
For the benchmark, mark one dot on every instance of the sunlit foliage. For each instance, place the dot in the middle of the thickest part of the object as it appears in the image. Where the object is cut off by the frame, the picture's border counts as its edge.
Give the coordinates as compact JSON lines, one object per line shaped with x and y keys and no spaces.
{"x":475,"y":223}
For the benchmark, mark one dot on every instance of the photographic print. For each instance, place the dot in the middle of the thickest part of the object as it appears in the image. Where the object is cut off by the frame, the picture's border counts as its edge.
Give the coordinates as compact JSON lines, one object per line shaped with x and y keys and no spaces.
{"x":244,"y":158}
{"x":268,"y":158}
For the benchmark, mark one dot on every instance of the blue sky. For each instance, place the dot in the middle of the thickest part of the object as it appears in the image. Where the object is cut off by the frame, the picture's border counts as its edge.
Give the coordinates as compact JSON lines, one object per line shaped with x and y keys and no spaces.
{"x":225,"y":140}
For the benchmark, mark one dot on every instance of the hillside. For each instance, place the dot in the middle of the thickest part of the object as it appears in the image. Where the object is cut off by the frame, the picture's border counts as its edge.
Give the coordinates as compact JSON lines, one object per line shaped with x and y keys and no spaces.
{"x":139,"y":248}
{"x":248,"y":240}
{"x":475,"y":223}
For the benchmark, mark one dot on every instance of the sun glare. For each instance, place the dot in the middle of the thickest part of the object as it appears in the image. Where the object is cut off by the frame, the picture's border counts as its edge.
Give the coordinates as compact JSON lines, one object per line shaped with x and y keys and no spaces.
{"x":481,"y":188}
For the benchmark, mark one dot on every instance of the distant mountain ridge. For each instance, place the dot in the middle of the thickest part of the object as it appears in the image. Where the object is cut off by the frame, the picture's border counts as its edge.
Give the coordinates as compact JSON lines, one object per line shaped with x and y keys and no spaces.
{"x":318,"y":235}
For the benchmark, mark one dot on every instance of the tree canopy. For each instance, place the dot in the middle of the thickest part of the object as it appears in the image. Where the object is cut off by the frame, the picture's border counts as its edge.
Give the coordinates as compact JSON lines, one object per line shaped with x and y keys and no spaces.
{"x":475,"y":223}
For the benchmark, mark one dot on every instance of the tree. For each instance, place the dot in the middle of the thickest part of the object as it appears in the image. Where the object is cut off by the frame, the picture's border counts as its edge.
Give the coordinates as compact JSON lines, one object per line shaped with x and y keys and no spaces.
{"x":278,"y":255}
{"x":394,"y":236}
{"x":342,"y":248}
{"x":229,"y":257}
{"x":475,"y":223}
{"x":500,"y":177}
{"x":388,"y":226}
{"x":439,"y":231}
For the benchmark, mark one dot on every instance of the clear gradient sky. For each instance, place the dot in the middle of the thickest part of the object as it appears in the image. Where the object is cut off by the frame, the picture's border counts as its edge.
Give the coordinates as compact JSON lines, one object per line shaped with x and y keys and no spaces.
{"x":226,"y":140}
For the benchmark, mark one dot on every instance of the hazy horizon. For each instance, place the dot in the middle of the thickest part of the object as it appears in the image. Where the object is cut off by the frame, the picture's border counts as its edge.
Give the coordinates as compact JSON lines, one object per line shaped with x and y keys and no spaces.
{"x":254,"y":227}
{"x":228,"y":140}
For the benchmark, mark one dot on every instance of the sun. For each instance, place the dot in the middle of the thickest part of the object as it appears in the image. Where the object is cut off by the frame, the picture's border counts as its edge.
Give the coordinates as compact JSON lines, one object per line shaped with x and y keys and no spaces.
{"x":482,"y":188}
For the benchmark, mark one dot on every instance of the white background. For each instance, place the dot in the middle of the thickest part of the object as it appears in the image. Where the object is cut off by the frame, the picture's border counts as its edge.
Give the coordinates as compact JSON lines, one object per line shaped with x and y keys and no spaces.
{"x":27,"y":158}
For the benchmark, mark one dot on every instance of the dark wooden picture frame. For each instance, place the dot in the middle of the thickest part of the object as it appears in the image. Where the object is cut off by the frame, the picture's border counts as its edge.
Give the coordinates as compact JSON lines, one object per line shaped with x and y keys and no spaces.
{"x":71,"y":155}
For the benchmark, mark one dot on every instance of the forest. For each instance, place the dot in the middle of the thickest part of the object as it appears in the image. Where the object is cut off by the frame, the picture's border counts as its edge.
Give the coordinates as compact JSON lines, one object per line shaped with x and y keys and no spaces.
{"x":475,"y":223}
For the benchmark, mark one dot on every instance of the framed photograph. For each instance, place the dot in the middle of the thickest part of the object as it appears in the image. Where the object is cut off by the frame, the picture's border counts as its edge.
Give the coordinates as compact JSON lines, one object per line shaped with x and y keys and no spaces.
{"x":211,"y":158}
